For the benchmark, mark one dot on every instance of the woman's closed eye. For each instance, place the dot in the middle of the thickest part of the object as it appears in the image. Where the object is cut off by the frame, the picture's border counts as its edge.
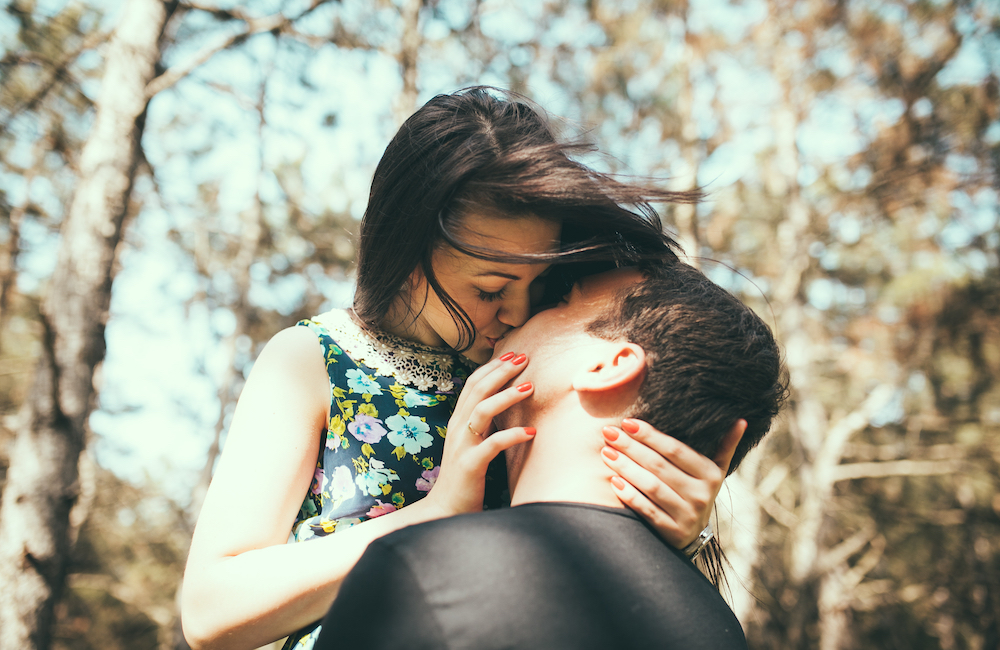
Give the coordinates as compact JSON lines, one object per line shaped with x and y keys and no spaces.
{"x":491,"y":296}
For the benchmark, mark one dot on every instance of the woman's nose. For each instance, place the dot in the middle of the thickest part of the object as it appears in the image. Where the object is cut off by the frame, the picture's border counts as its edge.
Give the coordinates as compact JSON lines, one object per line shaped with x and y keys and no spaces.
{"x":515,"y":310}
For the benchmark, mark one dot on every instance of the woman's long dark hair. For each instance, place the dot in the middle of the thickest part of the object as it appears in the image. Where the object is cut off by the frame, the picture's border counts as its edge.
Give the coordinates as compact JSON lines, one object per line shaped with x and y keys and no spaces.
{"x":490,"y":151}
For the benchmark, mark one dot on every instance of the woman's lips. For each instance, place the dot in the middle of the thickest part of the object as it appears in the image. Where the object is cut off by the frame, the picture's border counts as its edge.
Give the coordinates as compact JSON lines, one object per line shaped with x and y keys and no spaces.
{"x":492,"y":342}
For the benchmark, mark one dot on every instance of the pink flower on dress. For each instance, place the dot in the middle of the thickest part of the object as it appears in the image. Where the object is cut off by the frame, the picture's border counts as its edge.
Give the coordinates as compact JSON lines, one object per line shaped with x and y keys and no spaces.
{"x":428,"y":479}
{"x":366,"y":429}
{"x":380,"y":509}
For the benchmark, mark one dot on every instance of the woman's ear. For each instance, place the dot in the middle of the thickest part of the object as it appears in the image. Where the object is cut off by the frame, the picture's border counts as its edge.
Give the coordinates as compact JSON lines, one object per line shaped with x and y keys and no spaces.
{"x":614,"y":364}
{"x":416,"y":280}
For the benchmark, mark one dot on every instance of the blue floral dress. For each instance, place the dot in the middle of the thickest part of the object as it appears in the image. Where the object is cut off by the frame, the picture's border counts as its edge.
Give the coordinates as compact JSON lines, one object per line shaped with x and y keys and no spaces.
{"x":390,"y":404}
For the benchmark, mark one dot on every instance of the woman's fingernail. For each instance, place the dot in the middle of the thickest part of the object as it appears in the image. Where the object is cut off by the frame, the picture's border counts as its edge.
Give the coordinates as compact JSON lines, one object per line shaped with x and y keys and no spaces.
{"x":530,"y":431}
{"x":507,"y":357}
{"x":519,"y":359}
{"x":617,"y":482}
{"x":610,"y":434}
{"x":610,"y":453}
{"x":525,"y":387}
{"x":630,"y":425}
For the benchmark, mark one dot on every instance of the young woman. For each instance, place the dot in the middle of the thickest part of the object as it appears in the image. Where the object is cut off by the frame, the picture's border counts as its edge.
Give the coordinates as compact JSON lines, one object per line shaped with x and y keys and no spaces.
{"x":472,"y":204}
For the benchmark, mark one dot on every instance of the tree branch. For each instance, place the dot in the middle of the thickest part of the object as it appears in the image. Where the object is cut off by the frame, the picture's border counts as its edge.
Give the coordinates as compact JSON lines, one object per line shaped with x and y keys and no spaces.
{"x":895,"y":468}
{"x":779,"y":513}
{"x":216,"y":12}
{"x":774,"y":478}
{"x":838,"y":435}
{"x":862,"y":567}
{"x":340,"y":37}
{"x":58,"y":71}
{"x":276,"y":23}
{"x":839,"y":554}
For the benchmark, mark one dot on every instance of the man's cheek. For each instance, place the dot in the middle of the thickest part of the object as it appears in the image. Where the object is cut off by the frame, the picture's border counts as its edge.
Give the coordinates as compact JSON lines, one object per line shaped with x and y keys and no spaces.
{"x":505,"y":345}
{"x":501,"y":349}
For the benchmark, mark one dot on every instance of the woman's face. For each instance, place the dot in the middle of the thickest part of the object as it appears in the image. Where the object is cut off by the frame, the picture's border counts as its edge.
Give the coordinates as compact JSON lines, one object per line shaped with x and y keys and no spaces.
{"x":495,"y":295}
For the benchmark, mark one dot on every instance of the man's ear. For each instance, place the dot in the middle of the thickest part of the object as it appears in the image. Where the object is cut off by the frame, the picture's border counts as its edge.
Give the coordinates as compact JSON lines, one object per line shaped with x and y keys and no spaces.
{"x":614,"y":365}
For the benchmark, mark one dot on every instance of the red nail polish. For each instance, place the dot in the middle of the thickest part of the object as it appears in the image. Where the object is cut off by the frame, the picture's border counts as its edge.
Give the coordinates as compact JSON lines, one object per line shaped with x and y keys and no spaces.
{"x":630,"y":425}
{"x":610,"y":453}
{"x":525,"y":387}
{"x":530,"y":431}
{"x":519,"y":359}
{"x":507,"y":357}
{"x":617,"y":482}
{"x":610,"y":434}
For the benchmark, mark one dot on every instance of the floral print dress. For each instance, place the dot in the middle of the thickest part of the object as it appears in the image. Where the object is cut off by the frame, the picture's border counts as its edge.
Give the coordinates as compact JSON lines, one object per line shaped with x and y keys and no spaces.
{"x":390,"y":404}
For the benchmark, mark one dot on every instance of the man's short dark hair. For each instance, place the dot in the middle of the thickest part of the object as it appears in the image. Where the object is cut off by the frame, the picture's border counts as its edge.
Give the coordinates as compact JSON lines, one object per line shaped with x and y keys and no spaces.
{"x":710,"y":359}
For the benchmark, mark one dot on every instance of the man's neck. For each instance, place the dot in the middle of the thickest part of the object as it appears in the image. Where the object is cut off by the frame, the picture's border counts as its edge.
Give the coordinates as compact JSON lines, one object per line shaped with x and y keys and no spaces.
{"x":563,"y":463}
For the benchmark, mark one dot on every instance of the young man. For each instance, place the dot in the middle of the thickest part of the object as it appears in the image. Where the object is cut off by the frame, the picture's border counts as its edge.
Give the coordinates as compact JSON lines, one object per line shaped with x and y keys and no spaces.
{"x":567,"y":566}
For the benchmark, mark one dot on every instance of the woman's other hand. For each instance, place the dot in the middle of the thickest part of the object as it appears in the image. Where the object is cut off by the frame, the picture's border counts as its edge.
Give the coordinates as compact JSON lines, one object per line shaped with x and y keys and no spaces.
{"x":471,"y":443}
{"x":667,"y":483}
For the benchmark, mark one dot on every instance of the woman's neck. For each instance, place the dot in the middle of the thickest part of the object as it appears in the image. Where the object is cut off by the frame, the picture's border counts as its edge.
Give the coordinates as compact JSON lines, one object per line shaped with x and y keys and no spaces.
{"x":401,"y":322}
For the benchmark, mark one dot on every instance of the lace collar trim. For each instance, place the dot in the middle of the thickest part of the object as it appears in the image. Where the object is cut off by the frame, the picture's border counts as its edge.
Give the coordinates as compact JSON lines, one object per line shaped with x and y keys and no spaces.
{"x":420,"y":366}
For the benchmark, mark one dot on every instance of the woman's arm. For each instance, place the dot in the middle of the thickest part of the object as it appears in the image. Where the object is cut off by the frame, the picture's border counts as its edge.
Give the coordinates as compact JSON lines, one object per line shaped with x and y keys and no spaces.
{"x":244,"y":586}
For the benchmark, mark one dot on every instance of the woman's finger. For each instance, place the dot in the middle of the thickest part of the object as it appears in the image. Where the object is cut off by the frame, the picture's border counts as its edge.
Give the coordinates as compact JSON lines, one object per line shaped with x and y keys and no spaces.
{"x":501,"y":441}
{"x":687,"y":495}
{"x":682,"y":503}
{"x":655,"y":463}
{"x":667,"y":449}
{"x":483,"y":413}
{"x":665,"y":525}
{"x":724,"y":456}
{"x":491,"y":378}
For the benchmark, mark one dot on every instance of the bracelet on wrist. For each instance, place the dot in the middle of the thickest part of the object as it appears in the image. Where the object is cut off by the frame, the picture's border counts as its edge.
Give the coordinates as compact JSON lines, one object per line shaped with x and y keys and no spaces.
{"x":700,"y":542}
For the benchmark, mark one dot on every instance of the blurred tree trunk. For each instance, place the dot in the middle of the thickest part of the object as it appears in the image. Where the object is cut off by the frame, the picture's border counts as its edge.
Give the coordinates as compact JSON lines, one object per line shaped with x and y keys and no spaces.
{"x":42,"y":486}
{"x":685,"y":214}
{"x":409,"y":49}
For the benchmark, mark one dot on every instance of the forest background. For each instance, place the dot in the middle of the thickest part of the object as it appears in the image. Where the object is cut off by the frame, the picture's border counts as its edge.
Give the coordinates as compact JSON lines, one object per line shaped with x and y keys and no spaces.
{"x":201,"y":166}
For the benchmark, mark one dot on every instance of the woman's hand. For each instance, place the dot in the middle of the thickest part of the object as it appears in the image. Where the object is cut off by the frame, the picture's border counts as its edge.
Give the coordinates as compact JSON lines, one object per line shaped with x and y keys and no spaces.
{"x":667,"y":483}
{"x":471,"y":444}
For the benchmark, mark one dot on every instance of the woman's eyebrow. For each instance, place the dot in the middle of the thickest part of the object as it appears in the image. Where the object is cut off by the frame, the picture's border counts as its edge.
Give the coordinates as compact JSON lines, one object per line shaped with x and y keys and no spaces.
{"x":499,"y":274}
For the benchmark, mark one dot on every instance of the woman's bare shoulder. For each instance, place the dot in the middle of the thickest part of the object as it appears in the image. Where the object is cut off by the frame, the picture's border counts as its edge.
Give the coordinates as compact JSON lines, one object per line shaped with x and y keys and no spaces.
{"x":293,"y":346}
{"x":294,"y":340}
{"x":291,"y":368}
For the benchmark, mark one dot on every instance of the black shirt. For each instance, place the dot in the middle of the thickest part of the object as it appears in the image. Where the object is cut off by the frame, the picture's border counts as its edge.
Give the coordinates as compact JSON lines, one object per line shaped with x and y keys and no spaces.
{"x":536,"y":576}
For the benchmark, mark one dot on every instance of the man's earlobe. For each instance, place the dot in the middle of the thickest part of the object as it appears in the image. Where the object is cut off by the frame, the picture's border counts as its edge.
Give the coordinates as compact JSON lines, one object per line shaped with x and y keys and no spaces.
{"x":618,"y":364}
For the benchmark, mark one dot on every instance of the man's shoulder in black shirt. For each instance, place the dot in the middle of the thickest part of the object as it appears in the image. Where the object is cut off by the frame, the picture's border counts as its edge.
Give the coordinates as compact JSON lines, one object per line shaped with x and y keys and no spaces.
{"x":538,"y":575}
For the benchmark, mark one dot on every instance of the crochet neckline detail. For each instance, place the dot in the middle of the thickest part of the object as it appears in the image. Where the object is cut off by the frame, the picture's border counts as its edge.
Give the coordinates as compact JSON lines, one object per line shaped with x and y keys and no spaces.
{"x":412,"y":364}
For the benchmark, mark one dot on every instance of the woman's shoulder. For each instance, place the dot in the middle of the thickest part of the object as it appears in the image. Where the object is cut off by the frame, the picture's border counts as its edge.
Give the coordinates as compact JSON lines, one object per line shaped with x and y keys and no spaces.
{"x":294,"y":340}
{"x":290,"y":358}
